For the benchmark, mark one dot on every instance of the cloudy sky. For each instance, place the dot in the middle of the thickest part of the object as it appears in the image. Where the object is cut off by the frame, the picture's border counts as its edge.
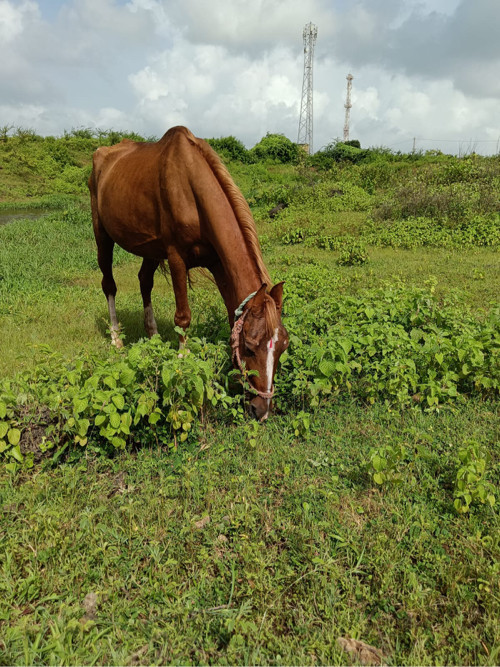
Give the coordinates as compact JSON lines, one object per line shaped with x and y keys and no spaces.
{"x":428,"y":69}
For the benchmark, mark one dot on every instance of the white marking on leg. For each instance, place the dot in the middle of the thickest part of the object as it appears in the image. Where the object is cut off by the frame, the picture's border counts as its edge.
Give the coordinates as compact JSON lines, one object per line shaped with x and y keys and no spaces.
{"x":149,"y":320}
{"x":115,"y":326}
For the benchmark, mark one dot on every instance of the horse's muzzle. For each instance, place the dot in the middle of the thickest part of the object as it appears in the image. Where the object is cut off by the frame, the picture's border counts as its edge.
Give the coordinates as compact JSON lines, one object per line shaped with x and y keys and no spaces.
{"x":260,"y":408}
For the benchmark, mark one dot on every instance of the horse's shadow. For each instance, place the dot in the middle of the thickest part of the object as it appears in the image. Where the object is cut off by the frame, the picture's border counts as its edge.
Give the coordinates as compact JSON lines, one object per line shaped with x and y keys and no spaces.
{"x":213,"y":326}
{"x":132,"y":326}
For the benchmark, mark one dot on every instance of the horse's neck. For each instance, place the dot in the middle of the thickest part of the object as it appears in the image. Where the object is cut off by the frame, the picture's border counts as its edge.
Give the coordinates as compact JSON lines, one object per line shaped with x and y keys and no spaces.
{"x":241,"y":275}
{"x":237,"y":277}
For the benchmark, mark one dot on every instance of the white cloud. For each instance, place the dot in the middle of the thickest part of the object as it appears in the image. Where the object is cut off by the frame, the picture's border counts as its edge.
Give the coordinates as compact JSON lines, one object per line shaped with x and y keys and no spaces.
{"x":425,"y":68}
{"x":202,"y":86}
{"x":13,"y":17}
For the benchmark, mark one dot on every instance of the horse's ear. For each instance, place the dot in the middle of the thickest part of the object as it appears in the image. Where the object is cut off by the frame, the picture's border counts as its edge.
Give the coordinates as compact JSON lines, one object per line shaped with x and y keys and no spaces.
{"x":277,"y":294}
{"x":258,"y":300}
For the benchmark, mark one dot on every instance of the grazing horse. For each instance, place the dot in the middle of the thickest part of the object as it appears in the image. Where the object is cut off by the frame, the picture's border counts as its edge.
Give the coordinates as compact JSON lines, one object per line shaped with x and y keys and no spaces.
{"x":174,"y":200}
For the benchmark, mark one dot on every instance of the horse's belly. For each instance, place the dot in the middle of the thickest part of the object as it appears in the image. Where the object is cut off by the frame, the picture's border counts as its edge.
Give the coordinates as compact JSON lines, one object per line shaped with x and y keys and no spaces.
{"x":135,"y":223}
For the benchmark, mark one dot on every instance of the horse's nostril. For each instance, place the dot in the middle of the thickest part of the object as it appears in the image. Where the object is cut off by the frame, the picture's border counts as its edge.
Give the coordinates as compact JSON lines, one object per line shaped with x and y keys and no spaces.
{"x":253,"y":411}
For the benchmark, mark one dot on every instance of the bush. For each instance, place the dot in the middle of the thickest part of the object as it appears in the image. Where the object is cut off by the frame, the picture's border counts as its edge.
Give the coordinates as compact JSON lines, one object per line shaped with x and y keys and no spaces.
{"x":338,"y":151}
{"x":230,"y":148}
{"x":454,"y":201}
{"x":276,"y":148}
{"x":353,"y":254}
{"x":398,"y":345}
{"x":149,"y":394}
{"x":473,"y":231}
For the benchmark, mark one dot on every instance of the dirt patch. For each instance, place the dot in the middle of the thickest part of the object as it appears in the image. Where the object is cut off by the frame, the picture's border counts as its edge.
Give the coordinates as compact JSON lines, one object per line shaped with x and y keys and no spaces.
{"x":361,"y":652}
{"x":34,"y":424}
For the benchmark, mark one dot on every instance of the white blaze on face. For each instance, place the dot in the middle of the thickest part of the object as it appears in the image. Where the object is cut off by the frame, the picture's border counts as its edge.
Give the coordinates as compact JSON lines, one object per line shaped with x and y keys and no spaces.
{"x":271,"y":347}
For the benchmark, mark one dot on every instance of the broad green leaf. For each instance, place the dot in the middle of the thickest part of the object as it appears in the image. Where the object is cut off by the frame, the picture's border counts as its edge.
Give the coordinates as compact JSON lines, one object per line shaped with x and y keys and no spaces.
{"x":154,"y":417}
{"x":119,"y":401}
{"x":110,"y":381}
{"x":15,"y":452}
{"x":83,"y":427}
{"x":127,"y":376}
{"x":345,"y":344}
{"x":114,"y":420}
{"x":327,"y":368}
{"x":13,"y":436}
{"x":80,"y":405}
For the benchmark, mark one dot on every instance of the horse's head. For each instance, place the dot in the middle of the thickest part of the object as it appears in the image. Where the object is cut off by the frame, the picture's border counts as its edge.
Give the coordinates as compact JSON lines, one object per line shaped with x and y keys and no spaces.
{"x":258,"y":340}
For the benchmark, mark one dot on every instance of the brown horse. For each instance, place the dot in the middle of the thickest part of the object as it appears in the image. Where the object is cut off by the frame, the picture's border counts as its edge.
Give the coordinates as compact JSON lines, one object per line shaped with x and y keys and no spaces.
{"x":174,"y":200}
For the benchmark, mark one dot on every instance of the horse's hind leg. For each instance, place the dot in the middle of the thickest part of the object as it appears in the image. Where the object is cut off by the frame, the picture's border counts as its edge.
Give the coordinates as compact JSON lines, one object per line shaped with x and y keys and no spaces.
{"x":146,"y":280}
{"x":105,"y":245}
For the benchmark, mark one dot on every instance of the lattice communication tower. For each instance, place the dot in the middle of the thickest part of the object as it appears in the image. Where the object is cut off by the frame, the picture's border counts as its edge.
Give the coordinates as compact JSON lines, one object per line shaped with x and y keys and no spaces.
{"x":305,"y":136}
{"x":348,"y":106}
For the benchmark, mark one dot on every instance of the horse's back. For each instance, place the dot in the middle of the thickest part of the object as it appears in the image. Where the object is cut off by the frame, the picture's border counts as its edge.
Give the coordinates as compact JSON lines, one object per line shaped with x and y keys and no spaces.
{"x":150,"y":197}
{"x":125,"y":189}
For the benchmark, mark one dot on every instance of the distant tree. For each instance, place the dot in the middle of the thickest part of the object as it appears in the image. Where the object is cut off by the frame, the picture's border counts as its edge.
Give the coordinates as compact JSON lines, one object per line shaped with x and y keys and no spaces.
{"x":4,"y":132}
{"x":80,"y":133}
{"x":27,"y":134}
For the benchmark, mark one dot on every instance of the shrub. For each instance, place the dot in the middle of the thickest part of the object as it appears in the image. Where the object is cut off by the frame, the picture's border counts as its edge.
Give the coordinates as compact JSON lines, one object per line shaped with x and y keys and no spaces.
{"x":353,"y":254}
{"x":398,"y":345}
{"x":471,"y":485}
{"x":230,"y":148}
{"x":338,"y":151}
{"x":150,"y":393}
{"x":276,"y":148}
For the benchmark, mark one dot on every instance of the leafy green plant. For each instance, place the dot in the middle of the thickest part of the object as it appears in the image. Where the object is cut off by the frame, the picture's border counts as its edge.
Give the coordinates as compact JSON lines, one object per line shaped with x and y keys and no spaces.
{"x":150,"y":393}
{"x":471,"y":485}
{"x":398,"y":345}
{"x":301,"y":425}
{"x":353,"y":254}
{"x":385,"y":462}
{"x":276,"y":147}
{"x":230,"y":148}
{"x":294,"y":237}
{"x":10,"y":433}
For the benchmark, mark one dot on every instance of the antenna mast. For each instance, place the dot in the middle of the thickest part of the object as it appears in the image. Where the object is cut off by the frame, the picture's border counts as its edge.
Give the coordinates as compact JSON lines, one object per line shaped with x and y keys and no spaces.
{"x":348,"y":106}
{"x":305,"y":136}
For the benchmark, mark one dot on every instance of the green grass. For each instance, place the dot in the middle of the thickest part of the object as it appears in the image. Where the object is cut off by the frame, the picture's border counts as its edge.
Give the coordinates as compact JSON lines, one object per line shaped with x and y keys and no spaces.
{"x":255,"y":544}
{"x":50,"y":285}
{"x":230,"y":553}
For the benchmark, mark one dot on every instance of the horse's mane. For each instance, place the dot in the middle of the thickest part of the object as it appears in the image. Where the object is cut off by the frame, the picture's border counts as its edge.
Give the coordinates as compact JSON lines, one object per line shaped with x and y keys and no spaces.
{"x":271,"y":316}
{"x":238,"y":204}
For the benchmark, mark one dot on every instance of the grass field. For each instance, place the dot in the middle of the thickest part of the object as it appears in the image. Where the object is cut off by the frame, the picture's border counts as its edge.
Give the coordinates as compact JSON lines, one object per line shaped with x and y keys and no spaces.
{"x":252,"y":543}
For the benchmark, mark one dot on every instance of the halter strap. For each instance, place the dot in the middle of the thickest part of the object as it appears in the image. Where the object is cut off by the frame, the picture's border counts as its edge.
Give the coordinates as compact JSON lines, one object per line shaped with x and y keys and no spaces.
{"x":235,"y":344}
{"x":239,"y":311}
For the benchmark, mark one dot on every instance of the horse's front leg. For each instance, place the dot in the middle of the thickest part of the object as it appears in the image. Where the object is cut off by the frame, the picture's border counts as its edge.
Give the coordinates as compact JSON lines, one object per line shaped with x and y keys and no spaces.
{"x":178,"y":271}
